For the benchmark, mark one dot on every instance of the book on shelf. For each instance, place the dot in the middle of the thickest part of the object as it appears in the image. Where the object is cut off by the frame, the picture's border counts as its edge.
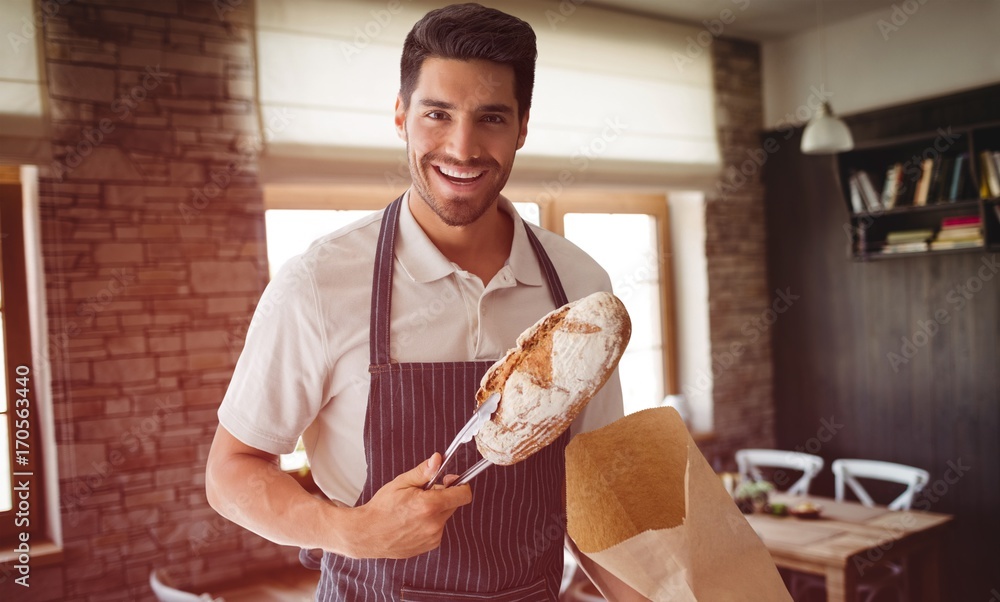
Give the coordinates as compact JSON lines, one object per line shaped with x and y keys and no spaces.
{"x":989,"y":174}
{"x":954,"y":189}
{"x":857,"y":205}
{"x":961,"y":221}
{"x":941,"y":179}
{"x":962,"y":186}
{"x":905,"y":247}
{"x":868,"y":193}
{"x":995,"y":156}
{"x":924,"y":184}
{"x":861,"y":183}
{"x":959,"y":232}
{"x":909,"y":236}
{"x":967,"y":233}
{"x":913,"y":174}
{"x":941,"y":245}
{"x":893,"y":182}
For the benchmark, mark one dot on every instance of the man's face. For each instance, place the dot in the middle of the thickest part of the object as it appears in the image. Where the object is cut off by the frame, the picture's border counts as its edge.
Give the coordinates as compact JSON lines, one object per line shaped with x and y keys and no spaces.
{"x":461,"y":131}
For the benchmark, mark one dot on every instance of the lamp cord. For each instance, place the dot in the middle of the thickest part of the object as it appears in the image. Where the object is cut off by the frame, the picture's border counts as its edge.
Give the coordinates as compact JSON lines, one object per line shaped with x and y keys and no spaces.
{"x":822,"y":40}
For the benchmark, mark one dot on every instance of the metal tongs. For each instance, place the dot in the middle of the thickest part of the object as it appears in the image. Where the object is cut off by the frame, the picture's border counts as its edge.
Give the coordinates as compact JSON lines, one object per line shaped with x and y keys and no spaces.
{"x":479,"y":418}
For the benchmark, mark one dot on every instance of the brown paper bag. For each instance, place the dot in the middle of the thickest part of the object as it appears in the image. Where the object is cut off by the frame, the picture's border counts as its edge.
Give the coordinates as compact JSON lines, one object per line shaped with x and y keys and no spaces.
{"x":643,"y":503}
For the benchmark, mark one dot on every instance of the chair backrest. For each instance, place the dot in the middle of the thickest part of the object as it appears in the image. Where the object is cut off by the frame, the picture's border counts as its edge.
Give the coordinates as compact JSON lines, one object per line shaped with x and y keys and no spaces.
{"x":167,"y":593}
{"x":748,"y":461}
{"x":846,"y":471}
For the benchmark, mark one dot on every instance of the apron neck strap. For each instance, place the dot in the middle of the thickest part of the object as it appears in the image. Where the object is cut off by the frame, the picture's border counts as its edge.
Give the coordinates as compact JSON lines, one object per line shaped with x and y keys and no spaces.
{"x":548,"y":270}
{"x":382,"y":281}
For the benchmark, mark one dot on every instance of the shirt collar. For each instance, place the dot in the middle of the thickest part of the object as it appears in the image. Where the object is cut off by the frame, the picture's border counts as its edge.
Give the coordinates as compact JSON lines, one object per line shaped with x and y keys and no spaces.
{"x":523,"y":262}
{"x":423,"y":262}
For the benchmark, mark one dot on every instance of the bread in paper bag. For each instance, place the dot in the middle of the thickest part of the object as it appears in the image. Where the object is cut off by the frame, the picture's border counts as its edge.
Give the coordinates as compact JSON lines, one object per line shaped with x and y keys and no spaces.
{"x":643,"y":503}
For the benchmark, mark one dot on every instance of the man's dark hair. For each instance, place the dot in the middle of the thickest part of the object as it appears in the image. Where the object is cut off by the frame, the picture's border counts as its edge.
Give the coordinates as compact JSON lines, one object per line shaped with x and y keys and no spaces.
{"x":468,"y":32}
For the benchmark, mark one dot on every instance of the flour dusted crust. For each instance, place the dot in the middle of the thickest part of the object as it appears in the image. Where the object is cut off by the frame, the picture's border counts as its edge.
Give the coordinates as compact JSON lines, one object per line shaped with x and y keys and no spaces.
{"x":555,"y":369}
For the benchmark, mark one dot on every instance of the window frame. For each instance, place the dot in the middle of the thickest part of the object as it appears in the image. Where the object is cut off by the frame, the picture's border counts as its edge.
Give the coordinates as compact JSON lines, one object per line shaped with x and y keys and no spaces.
{"x":16,"y":338}
{"x":553,"y":210}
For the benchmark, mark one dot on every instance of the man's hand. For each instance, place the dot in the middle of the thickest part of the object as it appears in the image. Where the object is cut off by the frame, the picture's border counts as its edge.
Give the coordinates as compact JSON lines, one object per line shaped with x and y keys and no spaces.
{"x":402,"y":519}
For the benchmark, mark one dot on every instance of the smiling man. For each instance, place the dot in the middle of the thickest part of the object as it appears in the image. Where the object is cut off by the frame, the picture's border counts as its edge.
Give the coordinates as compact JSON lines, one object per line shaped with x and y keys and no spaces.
{"x":371,"y":346}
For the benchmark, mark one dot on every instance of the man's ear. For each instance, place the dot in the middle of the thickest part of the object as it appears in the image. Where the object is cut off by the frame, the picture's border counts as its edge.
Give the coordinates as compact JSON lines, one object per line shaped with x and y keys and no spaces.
{"x":400,"y":118}
{"x":524,"y":130}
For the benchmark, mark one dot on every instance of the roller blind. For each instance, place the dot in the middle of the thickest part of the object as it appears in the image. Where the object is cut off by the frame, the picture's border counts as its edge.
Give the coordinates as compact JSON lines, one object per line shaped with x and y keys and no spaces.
{"x":22,"y":93}
{"x":611,"y":101}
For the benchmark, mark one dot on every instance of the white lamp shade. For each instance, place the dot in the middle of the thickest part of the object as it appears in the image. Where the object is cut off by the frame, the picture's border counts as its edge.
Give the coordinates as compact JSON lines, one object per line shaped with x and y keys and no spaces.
{"x":826,"y":134}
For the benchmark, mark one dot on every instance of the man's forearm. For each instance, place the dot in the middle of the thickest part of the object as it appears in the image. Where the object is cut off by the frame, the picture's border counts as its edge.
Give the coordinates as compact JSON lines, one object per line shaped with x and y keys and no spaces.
{"x":402,"y":519}
{"x":257,"y":495}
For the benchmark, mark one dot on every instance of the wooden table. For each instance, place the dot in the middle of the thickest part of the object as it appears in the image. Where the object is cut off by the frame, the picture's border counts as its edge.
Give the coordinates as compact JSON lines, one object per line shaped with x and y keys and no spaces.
{"x":849,"y":539}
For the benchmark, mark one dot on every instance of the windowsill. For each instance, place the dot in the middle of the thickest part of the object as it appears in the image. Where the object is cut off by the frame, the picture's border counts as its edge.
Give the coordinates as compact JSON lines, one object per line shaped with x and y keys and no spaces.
{"x":41,"y":554}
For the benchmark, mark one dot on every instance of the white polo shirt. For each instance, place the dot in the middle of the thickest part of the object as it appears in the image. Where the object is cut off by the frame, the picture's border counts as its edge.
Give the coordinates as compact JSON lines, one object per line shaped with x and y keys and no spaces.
{"x":304,"y":366}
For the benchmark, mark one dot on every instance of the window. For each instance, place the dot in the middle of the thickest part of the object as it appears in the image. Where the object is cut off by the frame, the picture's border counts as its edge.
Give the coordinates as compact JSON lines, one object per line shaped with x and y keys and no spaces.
{"x":20,"y":444}
{"x":625,"y":245}
{"x":628,"y":234}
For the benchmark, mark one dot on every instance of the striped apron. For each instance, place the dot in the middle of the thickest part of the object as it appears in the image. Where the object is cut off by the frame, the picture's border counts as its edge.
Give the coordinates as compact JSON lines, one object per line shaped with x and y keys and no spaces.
{"x":507,"y":545}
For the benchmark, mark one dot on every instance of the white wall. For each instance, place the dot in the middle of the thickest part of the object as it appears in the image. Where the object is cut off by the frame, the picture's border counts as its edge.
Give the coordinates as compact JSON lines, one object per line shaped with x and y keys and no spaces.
{"x":687,"y":237}
{"x":918,"y":49}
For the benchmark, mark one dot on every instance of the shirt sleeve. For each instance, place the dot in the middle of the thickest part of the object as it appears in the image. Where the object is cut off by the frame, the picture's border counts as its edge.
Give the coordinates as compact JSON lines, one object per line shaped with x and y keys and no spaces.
{"x":281,"y":378}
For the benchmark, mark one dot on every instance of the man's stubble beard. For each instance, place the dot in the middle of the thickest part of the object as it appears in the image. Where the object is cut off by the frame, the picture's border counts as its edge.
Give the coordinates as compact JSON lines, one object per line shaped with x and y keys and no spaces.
{"x":460,"y":210}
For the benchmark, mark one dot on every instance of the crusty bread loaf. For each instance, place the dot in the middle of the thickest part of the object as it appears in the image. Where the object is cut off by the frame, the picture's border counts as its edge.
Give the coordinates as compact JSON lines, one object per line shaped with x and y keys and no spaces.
{"x":555,"y":369}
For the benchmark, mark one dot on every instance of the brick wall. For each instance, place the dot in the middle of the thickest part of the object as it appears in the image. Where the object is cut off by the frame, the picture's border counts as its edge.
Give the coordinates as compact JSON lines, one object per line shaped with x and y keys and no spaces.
{"x":154,"y":254}
{"x":739,"y":296}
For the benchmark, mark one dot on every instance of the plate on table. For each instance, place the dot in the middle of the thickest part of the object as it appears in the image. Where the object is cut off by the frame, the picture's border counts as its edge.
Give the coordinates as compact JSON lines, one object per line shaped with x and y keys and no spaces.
{"x":807,"y":510}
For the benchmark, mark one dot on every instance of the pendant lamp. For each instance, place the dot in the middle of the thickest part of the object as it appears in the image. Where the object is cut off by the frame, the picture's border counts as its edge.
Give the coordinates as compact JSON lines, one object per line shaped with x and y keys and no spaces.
{"x":825,"y":134}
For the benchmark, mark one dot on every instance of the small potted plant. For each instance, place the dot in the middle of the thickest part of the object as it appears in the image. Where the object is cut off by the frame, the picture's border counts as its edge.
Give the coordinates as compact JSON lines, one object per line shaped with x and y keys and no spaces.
{"x":752,"y":496}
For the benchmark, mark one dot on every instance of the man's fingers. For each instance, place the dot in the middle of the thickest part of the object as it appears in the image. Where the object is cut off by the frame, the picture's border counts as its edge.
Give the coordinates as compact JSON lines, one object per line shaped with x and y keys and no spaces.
{"x":433,"y":464}
{"x":441,"y":499}
{"x":451,"y":498}
{"x":421,"y":473}
{"x":407,"y":519}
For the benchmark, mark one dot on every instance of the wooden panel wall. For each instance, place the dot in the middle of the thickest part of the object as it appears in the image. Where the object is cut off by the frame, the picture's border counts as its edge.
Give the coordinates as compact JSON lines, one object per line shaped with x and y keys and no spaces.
{"x":839,"y":393}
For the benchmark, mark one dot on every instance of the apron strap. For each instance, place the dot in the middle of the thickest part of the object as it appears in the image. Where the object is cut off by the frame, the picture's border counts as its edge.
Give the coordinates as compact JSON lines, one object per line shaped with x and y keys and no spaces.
{"x":382,"y":281}
{"x":382,"y":285}
{"x":549,"y":270}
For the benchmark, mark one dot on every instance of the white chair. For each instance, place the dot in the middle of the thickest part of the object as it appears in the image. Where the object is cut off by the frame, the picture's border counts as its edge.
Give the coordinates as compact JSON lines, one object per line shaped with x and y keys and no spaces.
{"x":749,"y":462}
{"x":915,"y":479}
{"x":847,"y":471}
{"x":165,"y":591}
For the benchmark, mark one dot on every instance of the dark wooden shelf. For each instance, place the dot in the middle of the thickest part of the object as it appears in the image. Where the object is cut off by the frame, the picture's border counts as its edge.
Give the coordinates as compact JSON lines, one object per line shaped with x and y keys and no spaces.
{"x":971,"y":204}
{"x":883,"y":256}
{"x":875,"y":156}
